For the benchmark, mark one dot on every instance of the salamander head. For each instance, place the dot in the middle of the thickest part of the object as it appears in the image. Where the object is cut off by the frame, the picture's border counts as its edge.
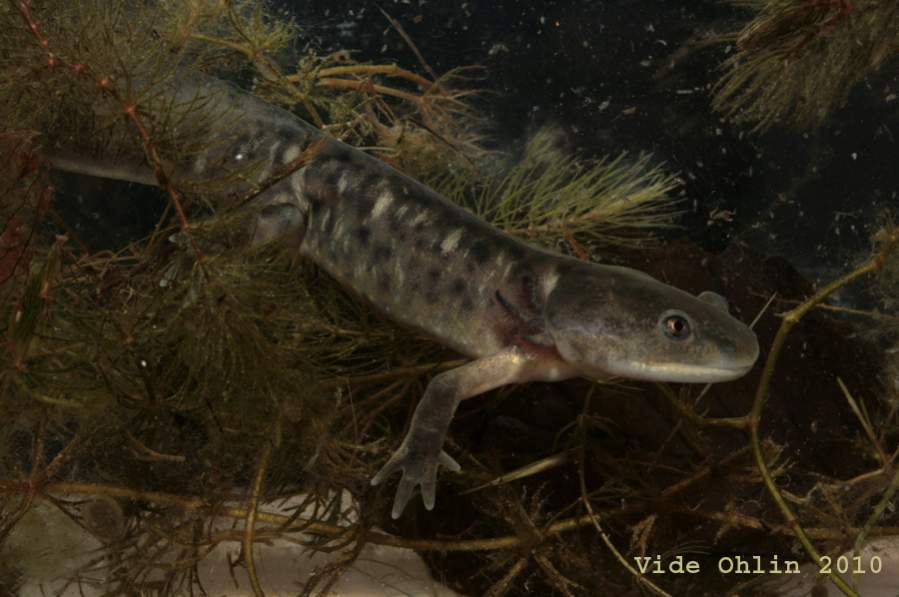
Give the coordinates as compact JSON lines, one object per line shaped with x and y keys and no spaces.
{"x":615,"y":321}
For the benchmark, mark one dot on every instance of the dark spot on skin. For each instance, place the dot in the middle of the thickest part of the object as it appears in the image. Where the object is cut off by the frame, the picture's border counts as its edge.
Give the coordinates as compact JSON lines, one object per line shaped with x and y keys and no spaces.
{"x":431,"y":296}
{"x":522,"y":273}
{"x":286,"y":133}
{"x":384,"y":282}
{"x":527,"y":282}
{"x":361,"y":205}
{"x":318,"y":189}
{"x":241,"y":142}
{"x":433,"y":275}
{"x":480,"y":251}
{"x":332,"y":179}
{"x":363,"y":234}
{"x":341,"y":156}
{"x":466,"y":304}
{"x":515,"y":251}
{"x":396,"y":189}
{"x":457,"y":286}
{"x":382,"y":253}
{"x":421,"y":243}
{"x":369,"y":185}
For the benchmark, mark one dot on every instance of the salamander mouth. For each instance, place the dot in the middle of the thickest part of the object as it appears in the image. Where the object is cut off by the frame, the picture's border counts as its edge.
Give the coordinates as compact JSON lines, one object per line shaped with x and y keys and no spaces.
{"x":681,"y":373}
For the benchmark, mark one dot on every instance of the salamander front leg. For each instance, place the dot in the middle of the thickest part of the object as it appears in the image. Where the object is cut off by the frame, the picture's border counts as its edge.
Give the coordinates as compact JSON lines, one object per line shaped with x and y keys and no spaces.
{"x":281,"y":222}
{"x":421,"y":452}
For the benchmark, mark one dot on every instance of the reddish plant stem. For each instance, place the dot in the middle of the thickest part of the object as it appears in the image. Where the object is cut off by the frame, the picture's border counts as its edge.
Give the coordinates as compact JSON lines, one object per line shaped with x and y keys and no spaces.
{"x":130,"y":111}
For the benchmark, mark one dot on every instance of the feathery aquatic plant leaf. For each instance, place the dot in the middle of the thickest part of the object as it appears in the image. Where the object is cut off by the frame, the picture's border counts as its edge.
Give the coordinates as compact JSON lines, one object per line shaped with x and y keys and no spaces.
{"x":796,"y":62}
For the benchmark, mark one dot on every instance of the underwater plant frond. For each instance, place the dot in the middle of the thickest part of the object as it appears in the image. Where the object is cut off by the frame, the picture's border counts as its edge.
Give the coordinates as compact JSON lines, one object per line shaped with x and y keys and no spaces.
{"x":550,"y":195}
{"x":214,"y":30}
{"x":797,"y":61}
{"x":356,"y":102}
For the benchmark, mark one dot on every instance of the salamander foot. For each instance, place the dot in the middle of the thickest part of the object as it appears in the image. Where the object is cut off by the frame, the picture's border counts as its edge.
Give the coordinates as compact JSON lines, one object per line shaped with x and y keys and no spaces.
{"x":419,"y":469}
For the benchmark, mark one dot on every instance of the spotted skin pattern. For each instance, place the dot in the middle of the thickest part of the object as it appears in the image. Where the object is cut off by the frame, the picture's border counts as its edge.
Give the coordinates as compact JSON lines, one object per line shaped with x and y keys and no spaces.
{"x":519,"y":312}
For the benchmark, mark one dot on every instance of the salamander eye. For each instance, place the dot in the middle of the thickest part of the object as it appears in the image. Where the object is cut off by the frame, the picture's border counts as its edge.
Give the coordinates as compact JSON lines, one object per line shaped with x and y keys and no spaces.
{"x":677,"y":327}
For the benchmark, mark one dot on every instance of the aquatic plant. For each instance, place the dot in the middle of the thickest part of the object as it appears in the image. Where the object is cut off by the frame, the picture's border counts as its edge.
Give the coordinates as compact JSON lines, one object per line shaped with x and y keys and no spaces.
{"x":195,"y":381}
{"x":797,"y":60}
{"x":548,"y":194}
{"x":176,"y":369}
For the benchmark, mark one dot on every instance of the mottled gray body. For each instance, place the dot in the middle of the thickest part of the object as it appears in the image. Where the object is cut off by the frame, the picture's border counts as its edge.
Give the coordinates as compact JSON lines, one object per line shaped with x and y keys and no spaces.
{"x":423,"y":261}
{"x":523,"y":313}
{"x":420,"y":259}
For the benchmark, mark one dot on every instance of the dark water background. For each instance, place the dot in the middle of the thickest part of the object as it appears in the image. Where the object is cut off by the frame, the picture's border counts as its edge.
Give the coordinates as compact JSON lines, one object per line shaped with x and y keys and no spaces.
{"x":613,"y":75}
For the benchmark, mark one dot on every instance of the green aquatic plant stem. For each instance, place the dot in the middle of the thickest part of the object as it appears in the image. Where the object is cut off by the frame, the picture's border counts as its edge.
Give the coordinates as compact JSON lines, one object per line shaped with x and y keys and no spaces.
{"x":392,"y":70}
{"x":697,"y":419}
{"x":325,"y":77}
{"x":392,"y":374}
{"x":865,"y":423}
{"x":790,"y":319}
{"x":292,"y":523}
{"x":250,"y":519}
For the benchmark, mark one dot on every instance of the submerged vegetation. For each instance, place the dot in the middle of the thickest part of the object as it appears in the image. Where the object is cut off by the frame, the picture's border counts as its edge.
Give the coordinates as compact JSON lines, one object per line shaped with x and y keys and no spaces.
{"x":153,"y":390}
{"x":549,"y":195}
{"x":796,"y":61}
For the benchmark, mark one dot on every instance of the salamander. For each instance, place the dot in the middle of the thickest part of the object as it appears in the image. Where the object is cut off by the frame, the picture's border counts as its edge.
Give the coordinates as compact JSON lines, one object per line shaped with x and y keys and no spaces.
{"x":521,"y":313}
